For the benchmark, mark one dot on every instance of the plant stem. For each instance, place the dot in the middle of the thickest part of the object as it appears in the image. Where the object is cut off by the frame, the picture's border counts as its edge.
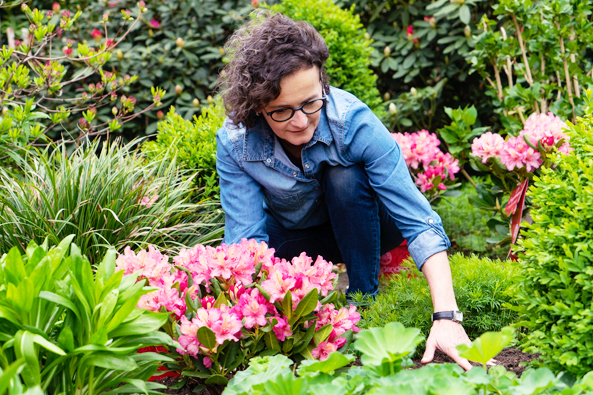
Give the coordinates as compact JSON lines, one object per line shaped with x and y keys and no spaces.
{"x":471,"y":181}
{"x":566,"y":73}
{"x":523,"y":53}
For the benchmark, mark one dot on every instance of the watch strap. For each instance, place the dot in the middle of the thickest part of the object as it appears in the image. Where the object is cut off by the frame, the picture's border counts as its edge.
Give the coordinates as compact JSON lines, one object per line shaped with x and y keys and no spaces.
{"x":456,"y":316}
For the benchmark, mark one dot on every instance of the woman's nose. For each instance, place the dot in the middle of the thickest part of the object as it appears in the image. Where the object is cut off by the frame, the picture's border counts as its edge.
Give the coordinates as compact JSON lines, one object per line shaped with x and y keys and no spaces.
{"x":300,"y":120}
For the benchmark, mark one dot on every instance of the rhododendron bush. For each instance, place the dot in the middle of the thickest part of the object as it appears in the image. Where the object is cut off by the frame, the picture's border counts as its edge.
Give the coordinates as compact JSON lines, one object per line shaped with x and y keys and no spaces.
{"x":231,"y":303}
{"x":430,"y":167}
{"x":513,"y":163}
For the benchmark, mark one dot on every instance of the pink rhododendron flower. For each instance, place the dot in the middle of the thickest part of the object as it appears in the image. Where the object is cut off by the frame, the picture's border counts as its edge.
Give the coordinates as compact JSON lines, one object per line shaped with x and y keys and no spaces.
{"x":154,"y":23}
{"x":277,"y":284}
{"x":165,"y":297}
{"x":151,"y":264}
{"x":224,"y":323}
{"x":208,"y":362}
{"x":96,"y":35}
{"x":548,"y":129}
{"x":149,"y":202}
{"x":323,"y":350}
{"x":282,"y":328}
{"x":188,"y":339}
{"x":516,"y":153}
{"x":252,"y":311}
{"x":487,"y":146}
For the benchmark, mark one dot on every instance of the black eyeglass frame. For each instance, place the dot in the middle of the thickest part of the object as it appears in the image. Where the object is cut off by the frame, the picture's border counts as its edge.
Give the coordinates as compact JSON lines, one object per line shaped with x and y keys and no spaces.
{"x":324,"y":99}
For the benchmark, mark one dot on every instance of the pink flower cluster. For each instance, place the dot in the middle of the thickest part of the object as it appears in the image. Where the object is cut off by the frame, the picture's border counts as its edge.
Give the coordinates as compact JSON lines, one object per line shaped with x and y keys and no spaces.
{"x":232,"y":270}
{"x":422,"y":148}
{"x":543,"y":130}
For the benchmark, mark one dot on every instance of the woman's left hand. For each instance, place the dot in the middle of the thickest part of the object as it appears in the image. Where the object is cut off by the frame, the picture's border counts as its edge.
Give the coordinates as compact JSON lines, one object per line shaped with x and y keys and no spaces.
{"x":446,"y":335}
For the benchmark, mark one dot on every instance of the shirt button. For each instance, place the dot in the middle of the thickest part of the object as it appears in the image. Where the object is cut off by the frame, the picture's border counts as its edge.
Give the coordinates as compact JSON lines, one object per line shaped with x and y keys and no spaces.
{"x":268,"y":160}
{"x":430,"y":221}
{"x":294,"y":174}
{"x":306,"y":166}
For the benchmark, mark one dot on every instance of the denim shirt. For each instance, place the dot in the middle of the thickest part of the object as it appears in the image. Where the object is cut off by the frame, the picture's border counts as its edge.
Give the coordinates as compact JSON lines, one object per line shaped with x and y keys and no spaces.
{"x":256,"y":175}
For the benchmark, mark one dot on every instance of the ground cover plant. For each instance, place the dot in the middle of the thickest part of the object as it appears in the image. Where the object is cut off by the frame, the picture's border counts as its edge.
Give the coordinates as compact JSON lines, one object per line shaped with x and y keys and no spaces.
{"x":67,"y":330}
{"x":385,"y":353}
{"x":553,"y":288}
{"x":479,"y":284}
{"x":232,"y":303}
{"x":111,"y":198}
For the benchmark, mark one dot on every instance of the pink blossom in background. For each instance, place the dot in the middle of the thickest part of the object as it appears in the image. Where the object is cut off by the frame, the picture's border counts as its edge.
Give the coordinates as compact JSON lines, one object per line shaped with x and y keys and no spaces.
{"x":151,"y":264}
{"x":96,"y":35}
{"x":188,"y":339}
{"x":281,"y":329}
{"x":323,"y":350}
{"x":207,"y":362}
{"x":548,"y":129}
{"x":487,"y":146}
{"x":154,"y":23}
{"x":517,"y":154}
{"x":149,"y":202}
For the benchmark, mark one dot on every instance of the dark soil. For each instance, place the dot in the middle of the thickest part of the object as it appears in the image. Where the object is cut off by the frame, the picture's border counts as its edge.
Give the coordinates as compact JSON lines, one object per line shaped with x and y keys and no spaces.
{"x":511,"y":358}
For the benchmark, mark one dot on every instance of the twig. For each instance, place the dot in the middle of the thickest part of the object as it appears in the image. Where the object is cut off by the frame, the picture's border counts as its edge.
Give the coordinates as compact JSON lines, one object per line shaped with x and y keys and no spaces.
{"x":566,"y":73}
{"x":522,"y":46}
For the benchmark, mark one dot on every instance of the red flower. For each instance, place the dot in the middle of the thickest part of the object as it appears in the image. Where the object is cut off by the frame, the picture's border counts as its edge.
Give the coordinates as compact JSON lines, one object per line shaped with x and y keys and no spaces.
{"x":154,"y":23}
{"x":67,"y":51}
{"x":55,"y":7}
{"x":109,"y":43}
{"x":96,"y":34}
{"x":410,"y":30}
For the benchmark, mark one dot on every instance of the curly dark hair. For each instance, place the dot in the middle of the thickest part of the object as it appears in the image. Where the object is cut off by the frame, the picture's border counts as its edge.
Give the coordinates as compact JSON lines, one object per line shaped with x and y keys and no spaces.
{"x":269,"y":48}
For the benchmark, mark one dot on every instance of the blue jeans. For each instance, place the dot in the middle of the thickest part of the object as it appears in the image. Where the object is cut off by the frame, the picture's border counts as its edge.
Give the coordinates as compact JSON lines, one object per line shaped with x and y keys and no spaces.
{"x":359,"y":232}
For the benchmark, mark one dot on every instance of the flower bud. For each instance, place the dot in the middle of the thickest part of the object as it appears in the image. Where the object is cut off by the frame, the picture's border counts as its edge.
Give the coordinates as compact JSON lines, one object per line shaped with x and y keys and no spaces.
{"x":254,"y":3}
{"x":119,"y":54}
{"x":32,"y":27}
{"x":24,"y":7}
{"x":413,"y":92}
{"x":160,"y":115}
{"x":210,"y":99}
{"x":178,"y":89}
{"x":49,"y":15}
{"x":92,"y":88}
{"x":150,"y":33}
{"x":114,"y":110}
{"x":179,"y":42}
{"x":93,"y":110}
{"x":84,"y":125}
{"x":386,"y":96}
{"x":367,"y":36}
{"x":392,"y":109}
{"x":85,"y":96}
{"x":395,"y":25}
{"x":460,"y":2}
{"x":99,"y":87}
{"x":196,"y":102}
{"x":127,"y":79}
{"x":113,"y":96}
{"x":221,"y":50}
{"x":105,"y":17}
{"x":142,"y":6}
{"x":56,"y":7}
{"x":113,"y":85}
{"x":467,"y":31}
{"x":66,"y":14}
{"x":4,"y":111}
{"x":387,"y":51}
{"x":67,"y":51}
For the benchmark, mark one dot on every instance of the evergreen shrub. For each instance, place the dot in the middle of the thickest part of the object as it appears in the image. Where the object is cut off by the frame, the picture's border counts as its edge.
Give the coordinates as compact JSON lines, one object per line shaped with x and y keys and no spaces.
{"x":349,"y":60}
{"x":193,"y":143}
{"x":479,"y":283}
{"x":555,"y":285}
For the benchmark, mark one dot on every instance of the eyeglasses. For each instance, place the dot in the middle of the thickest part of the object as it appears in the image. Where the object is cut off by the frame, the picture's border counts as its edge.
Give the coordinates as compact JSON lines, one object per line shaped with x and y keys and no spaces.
{"x":310,"y":107}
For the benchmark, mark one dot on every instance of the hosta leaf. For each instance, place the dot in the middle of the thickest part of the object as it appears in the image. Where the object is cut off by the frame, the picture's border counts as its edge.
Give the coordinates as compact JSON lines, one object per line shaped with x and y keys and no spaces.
{"x":386,"y":344}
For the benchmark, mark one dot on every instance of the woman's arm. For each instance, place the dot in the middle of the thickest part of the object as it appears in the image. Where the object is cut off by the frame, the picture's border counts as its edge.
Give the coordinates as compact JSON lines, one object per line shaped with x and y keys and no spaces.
{"x":445,"y":335}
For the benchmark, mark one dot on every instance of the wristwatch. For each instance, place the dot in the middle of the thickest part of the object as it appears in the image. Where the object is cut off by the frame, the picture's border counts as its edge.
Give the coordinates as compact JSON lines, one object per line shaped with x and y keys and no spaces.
{"x":456,"y":316}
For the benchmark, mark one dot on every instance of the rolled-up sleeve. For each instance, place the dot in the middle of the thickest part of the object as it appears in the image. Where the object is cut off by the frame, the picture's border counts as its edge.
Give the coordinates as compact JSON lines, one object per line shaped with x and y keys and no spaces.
{"x":367,"y":141}
{"x":241,"y":198}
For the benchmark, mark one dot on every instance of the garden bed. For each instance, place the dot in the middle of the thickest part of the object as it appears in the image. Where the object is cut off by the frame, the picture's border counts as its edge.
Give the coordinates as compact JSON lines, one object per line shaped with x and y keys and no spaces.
{"x":511,"y":358}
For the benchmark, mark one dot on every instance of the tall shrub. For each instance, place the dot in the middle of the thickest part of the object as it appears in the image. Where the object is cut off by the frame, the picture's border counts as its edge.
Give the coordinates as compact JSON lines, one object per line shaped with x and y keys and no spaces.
{"x":554,"y":287}
{"x":349,"y":60}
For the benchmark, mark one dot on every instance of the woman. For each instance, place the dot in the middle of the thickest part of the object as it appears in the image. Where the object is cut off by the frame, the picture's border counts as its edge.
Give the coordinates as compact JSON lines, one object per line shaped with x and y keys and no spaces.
{"x":306,"y":167}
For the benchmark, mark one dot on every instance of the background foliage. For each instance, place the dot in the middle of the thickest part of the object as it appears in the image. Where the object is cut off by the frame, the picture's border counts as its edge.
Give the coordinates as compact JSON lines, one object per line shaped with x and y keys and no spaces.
{"x":553,"y":289}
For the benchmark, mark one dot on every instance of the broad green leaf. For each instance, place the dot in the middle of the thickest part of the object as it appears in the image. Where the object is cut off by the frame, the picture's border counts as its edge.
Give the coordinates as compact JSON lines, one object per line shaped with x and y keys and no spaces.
{"x":107,"y":306}
{"x":307,"y":304}
{"x":217,"y":379}
{"x":465,"y":14}
{"x":132,"y":389}
{"x":10,"y":373}
{"x":229,"y":355}
{"x":336,"y":360}
{"x":105,"y":270}
{"x":111,"y":361}
{"x":206,"y":337}
{"x":14,"y":268}
{"x":123,"y":312}
{"x":220,"y":300}
{"x":323,"y":333}
{"x":272,"y":341}
{"x":10,"y":315}
{"x":191,"y":373}
{"x":146,"y":323}
{"x":535,"y":381}
{"x":62,"y":301}
{"x":140,"y":384}
{"x":66,"y":339}
{"x":487,"y":346}
{"x":287,"y":305}
{"x":286,"y":384}
{"x":48,"y":345}
{"x":24,"y":348}
{"x":387,"y":344}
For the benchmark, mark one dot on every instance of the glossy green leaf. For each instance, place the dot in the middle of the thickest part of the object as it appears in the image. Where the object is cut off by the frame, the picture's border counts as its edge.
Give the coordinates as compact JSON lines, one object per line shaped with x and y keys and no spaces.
{"x":487,"y":346}
{"x":217,"y":379}
{"x":336,"y":360}
{"x":387,"y":344}
{"x":146,"y":323}
{"x":322,"y":333}
{"x":307,"y":304}
{"x":111,"y":361}
{"x":206,"y":337}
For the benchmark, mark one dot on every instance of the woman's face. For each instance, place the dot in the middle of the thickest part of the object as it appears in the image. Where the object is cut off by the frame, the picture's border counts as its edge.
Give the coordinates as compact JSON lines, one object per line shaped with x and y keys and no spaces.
{"x":295,"y":90}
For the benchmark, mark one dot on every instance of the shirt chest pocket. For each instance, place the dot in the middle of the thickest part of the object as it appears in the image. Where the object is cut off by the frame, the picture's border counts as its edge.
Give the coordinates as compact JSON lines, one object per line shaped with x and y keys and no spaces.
{"x":283,"y":201}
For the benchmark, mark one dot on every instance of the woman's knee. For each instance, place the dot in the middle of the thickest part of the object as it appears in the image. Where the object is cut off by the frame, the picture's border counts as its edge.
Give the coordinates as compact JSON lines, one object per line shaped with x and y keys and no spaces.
{"x":346,"y":183}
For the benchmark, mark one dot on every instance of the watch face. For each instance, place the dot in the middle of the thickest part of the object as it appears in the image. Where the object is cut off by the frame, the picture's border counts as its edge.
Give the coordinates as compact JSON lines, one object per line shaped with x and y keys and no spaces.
{"x":458,"y":316}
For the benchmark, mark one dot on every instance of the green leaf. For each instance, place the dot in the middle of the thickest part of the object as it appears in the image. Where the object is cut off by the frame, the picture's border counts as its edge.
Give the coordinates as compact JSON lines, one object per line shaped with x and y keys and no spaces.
{"x":335,"y":361}
{"x":487,"y":346}
{"x":272,"y":341}
{"x":48,"y":345}
{"x":307,"y":304}
{"x":66,"y":339}
{"x":206,"y":337}
{"x":286,"y":384}
{"x":387,"y":344}
{"x":465,"y":14}
{"x":217,"y":379}
{"x":62,"y":301}
{"x":10,"y":373}
{"x":322,"y":333}
{"x":111,"y":361}
{"x":146,"y":323}
{"x":287,"y":305}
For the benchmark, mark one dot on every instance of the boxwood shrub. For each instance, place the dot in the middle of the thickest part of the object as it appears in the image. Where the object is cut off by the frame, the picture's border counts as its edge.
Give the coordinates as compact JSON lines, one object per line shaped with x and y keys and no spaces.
{"x":349,"y":60}
{"x":555,"y":285}
{"x":193,"y":143}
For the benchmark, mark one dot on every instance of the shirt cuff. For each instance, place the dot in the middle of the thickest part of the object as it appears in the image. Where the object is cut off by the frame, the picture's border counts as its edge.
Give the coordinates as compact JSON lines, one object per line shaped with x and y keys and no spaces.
{"x":426,"y":244}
